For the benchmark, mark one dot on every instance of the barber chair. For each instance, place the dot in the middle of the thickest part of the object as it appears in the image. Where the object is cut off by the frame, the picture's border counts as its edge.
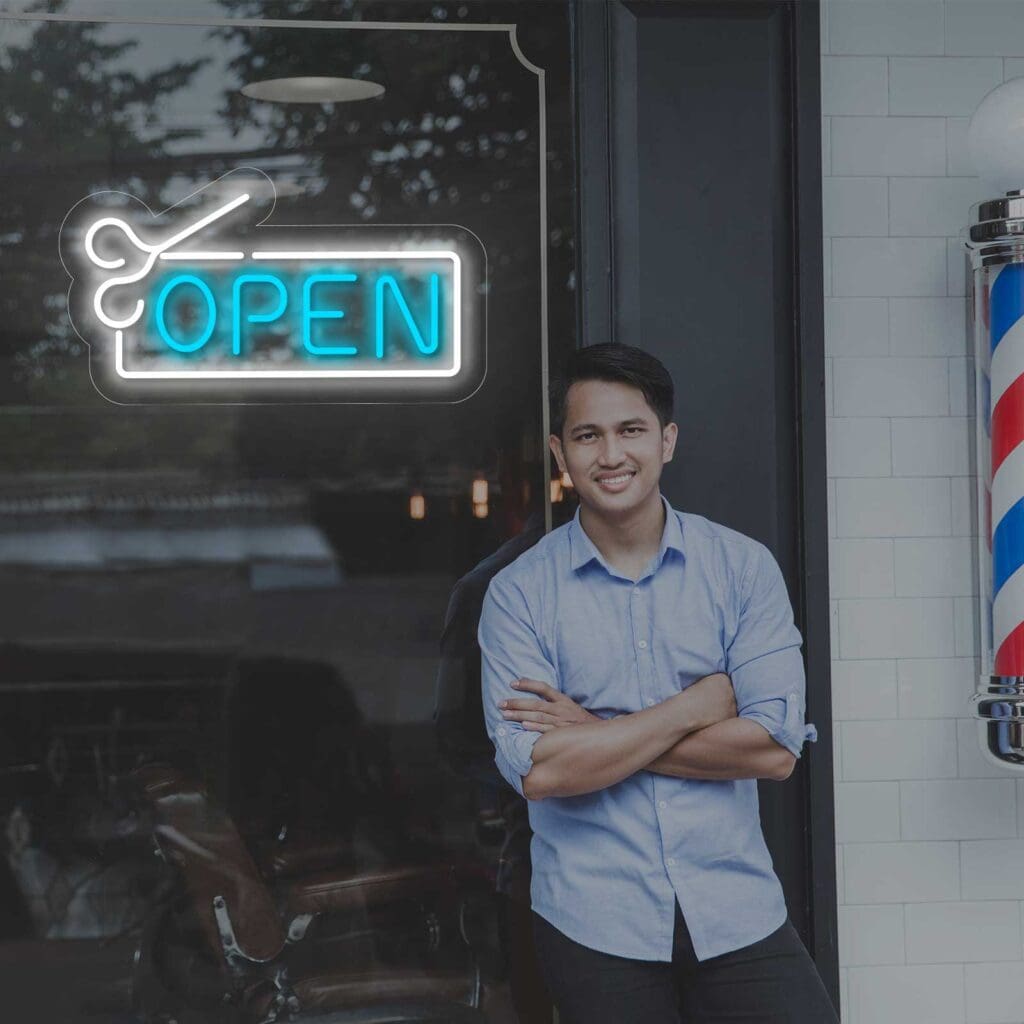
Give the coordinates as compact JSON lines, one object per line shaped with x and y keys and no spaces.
{"x":233,"y":946}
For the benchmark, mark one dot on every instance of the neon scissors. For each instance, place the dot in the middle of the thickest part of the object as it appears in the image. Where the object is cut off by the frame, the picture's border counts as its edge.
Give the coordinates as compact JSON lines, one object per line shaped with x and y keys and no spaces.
{"x":153,"y":253}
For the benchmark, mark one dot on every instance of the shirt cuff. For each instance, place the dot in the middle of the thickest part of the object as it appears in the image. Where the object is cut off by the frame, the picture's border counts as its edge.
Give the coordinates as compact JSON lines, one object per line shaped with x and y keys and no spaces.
{"x":786,"y":728}
{"x":513,"y":753}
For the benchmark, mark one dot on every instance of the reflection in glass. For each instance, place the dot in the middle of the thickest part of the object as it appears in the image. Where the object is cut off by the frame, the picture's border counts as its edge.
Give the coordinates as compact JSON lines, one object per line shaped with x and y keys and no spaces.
{"x":222,"y":622}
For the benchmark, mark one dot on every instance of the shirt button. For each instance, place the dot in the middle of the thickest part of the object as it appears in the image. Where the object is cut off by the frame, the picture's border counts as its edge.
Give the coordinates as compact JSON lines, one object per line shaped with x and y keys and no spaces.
{"x":671,"y":862}
{"x":649,"y":702}
{"x":642,"y":644}
{"x":501,"y":732}
{"x":662,"y":804}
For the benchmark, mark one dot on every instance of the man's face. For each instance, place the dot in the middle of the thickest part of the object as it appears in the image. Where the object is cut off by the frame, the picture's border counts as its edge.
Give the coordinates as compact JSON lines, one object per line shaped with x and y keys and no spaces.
{"x":612,"y":446}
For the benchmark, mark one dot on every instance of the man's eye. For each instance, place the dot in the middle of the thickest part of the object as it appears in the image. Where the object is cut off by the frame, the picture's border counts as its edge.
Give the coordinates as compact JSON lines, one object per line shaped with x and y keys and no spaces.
{"x":633,"y":430}
{"x":583,"y":437}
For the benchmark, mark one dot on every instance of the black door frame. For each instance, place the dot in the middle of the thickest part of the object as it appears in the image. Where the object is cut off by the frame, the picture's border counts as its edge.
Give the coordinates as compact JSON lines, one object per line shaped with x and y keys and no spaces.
{"x":609,"y":249}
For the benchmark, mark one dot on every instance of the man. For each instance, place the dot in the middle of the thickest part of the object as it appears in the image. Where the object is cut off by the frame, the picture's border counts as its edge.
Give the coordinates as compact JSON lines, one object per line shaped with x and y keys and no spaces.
{"x":641,"y":670}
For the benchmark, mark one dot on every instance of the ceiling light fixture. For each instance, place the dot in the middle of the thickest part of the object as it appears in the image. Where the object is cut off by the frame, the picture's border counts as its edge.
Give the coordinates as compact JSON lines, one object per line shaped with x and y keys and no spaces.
{"x":312,"y":90}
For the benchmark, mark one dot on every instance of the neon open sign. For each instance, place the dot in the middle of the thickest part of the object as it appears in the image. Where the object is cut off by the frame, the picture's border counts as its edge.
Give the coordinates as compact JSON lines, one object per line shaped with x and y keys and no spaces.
{"x":193,"y":306}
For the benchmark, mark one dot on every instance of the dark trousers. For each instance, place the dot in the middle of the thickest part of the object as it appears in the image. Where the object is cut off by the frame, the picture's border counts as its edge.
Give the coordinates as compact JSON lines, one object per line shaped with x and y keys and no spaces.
{"x":772,"y":981}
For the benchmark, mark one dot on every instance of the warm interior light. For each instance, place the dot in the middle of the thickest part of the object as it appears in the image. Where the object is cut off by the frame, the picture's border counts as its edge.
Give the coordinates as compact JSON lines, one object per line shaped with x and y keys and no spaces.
{"x":310,"y":89}
{"x":479,"y":491}
{"x":556,"y":491}
{"x":480,"y":509}
{"x":417,"y":506}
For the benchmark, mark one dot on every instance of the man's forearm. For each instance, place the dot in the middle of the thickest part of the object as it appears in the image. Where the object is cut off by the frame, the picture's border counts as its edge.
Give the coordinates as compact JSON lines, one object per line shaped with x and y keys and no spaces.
{"x":738,"y":748}
{"x":594,"y":755}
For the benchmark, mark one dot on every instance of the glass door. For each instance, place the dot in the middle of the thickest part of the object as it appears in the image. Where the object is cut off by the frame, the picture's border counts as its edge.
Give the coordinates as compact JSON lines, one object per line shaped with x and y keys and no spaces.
{"x":239,"y":619}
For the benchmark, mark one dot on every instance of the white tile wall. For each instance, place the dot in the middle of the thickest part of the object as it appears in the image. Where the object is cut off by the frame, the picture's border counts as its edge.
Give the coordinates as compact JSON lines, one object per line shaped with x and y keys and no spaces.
{"x":930,"y":832}
{"x":859,"y":327}
{"x":931,"y":447}
{"x":859,"y":446}
{"x":964,"y":518}
{"x":995,"y":993}
{"x":889,"y":266}
{"x":984,"y":27}
{"x":871,"y":935}
{"x":933,"y":687}
{"x":857,"y":85}
{"x":911,"y":507}
{"x":958,"y":158}
{"x":856,"y":206}
{"x":891,"y":385}
{"x":901,"y":872}
{"x":948,"y":86}
{"x":899,"y":749}
{"x":934,"y":566}
{"x":896,"y":995}
{"x":862,"y":568}
{"x":931,"y":206}
{"x":864,"y":689}
{"x":867,"y":812}
{"x":971,"y":761}
{"x":958,"y":808}
{"x":922,"y":327}
{"x":963,"y":932}
{"x":888,"y":145}
{"x":876,"y":26}
{"x":984,"y":867}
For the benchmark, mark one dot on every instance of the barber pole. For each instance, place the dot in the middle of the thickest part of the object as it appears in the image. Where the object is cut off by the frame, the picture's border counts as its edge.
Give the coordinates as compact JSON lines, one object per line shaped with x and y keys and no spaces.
{"x":1006,"y":326}
{"x":997,"y":317}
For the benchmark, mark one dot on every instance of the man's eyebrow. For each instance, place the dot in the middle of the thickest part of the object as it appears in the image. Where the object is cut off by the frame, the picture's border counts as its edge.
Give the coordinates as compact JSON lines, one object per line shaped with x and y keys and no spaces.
{"x":636,"y":420}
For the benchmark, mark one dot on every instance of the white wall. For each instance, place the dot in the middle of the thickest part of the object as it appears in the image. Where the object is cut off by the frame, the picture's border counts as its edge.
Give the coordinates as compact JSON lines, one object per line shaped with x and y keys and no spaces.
{"x":929,"y":848}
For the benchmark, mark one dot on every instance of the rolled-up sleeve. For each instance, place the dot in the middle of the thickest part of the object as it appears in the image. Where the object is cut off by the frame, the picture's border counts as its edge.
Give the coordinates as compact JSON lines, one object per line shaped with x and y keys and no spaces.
{"x":510,"y":649}
{"x":763,"y":660}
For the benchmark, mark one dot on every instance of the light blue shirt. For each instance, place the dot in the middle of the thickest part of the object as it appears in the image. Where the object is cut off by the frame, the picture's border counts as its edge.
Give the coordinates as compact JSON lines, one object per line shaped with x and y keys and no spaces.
{"x":608,"y":866}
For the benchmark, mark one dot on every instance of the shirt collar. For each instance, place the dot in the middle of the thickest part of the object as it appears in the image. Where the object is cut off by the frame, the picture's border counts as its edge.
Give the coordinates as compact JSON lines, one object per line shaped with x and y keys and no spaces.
{"x":582,"y":550}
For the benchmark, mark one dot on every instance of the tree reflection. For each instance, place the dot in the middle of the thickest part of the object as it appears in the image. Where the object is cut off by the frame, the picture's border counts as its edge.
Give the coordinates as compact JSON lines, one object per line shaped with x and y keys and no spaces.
{"x":67,"y":100}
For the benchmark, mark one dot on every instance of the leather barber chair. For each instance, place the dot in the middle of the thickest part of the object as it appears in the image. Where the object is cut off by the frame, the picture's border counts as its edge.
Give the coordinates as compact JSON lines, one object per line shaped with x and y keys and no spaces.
{"x":231,"y":946}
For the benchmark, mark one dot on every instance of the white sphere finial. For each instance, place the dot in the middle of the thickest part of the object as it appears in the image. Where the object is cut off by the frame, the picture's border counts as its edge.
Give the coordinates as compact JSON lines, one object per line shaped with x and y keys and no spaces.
{"x":995,"y":137}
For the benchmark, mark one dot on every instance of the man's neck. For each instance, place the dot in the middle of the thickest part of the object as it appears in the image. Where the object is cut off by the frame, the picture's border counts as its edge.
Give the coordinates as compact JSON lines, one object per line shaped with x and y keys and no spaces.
{"x":629,"y":542}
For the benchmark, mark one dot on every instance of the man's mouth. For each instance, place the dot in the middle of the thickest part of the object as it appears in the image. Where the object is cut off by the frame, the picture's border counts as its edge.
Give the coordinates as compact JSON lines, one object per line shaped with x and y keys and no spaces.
{"x":618,"y":482}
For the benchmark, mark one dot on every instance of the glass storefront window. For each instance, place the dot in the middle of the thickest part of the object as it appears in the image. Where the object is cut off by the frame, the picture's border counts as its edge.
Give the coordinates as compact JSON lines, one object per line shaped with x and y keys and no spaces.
{"x":232,"y":632}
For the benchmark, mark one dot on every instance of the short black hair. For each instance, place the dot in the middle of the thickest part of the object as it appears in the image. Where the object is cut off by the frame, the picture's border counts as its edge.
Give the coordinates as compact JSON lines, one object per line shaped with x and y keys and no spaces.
{"x":613,"y":362}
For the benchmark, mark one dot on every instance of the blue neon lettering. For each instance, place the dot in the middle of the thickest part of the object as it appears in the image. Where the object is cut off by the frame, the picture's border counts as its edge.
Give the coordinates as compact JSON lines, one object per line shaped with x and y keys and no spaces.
{"x":254,"y":318}
{"x":161,"y":322}
{"x":386,"y":280}
{"x":309,"y":315}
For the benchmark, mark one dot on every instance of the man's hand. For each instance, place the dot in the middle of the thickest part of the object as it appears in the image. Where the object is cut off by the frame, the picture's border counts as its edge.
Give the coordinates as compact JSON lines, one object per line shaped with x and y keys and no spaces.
{"x":555,"y":710}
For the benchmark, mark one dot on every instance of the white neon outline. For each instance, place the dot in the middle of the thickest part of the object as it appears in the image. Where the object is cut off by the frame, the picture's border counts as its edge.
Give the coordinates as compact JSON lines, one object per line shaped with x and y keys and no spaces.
{"x":153,"y":252}
{"x":201,"y":255}
{"x":456,"y":316}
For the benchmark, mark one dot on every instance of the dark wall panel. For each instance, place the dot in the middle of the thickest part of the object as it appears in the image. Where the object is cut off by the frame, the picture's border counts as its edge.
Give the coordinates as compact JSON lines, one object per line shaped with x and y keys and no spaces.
{"x":700,"y":188}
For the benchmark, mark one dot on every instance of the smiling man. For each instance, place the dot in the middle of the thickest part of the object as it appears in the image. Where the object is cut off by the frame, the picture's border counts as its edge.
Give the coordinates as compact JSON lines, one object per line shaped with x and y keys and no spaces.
{"x":641,"y":670}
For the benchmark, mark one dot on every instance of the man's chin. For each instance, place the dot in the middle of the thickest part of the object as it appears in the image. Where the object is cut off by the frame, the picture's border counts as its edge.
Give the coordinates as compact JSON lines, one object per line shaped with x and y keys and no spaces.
{"x":624,"y":502}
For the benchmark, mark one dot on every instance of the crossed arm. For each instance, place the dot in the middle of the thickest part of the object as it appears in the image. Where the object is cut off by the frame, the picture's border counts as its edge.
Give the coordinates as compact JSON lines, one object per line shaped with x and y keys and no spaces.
{"x":695,"y":734}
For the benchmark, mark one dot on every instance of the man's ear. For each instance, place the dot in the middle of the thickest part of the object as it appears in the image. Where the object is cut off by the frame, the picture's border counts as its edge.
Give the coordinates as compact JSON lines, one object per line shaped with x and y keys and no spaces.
{"x":668,"y":442}
{"x":555,"y":443}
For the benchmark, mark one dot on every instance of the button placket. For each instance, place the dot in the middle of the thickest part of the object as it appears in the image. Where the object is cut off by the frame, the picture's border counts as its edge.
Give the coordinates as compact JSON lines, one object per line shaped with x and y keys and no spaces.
{"x":639,"y":624}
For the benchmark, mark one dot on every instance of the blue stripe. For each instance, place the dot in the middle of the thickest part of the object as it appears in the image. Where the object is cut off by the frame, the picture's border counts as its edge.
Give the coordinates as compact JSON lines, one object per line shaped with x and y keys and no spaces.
{"x":1006,"y":301}
{"x":1008,"y":546}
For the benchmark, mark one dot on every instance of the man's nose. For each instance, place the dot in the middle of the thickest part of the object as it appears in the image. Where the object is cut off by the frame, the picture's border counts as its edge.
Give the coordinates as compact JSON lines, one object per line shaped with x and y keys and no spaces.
{"x":611,"y":451}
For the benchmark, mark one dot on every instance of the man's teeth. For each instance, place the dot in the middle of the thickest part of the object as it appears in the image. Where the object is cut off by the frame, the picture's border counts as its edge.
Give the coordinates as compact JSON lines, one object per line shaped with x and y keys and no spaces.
{"x":615,"y":479}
